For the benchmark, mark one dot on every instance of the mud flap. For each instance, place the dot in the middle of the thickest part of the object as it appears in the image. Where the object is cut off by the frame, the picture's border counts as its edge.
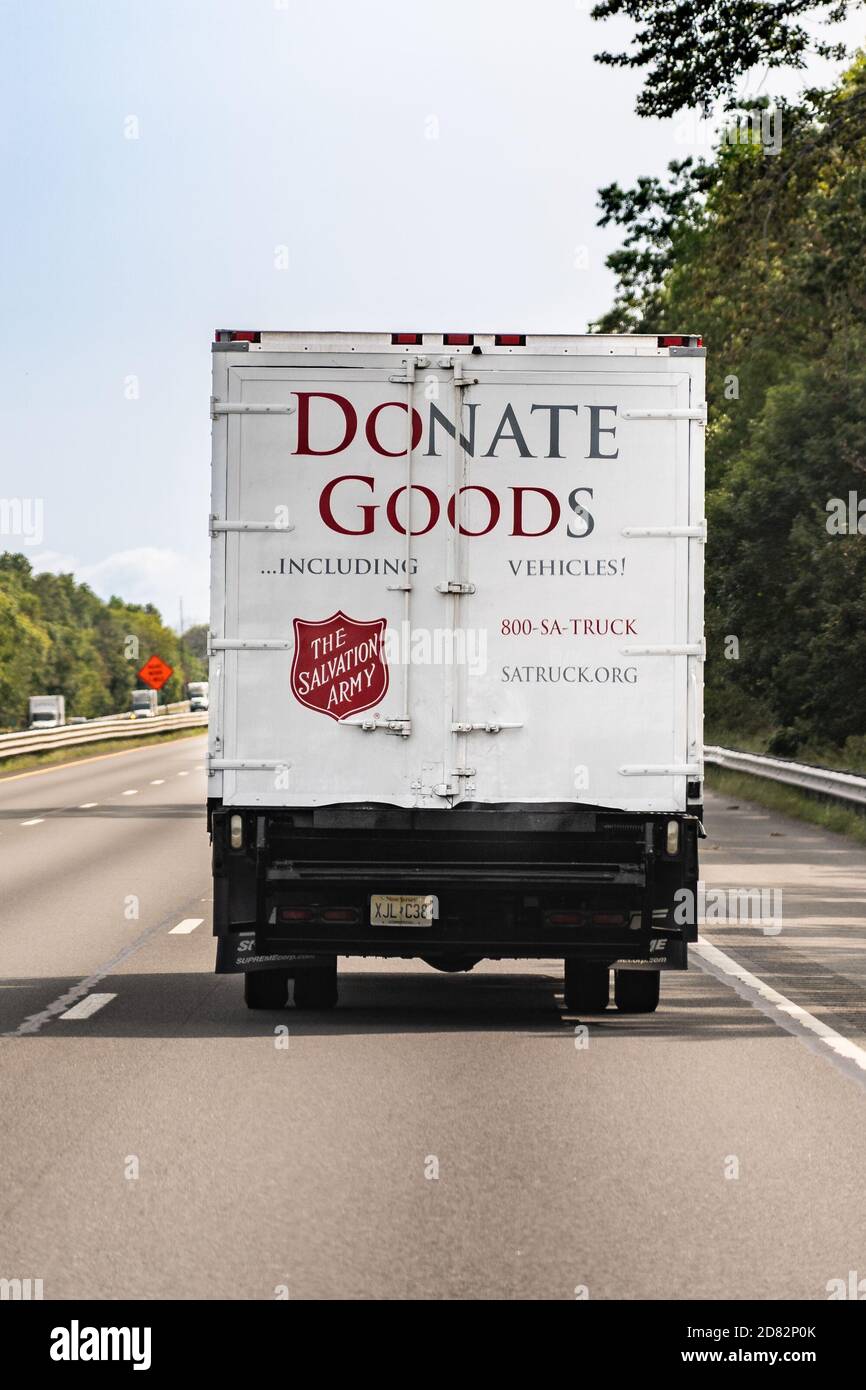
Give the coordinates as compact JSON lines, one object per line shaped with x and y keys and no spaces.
{"x":665,"y":953}
{"x":238,"y":951}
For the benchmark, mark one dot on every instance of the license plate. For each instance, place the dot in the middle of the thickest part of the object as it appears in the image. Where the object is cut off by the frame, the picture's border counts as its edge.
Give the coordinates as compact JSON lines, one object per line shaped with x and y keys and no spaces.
{"x":403,"y":910}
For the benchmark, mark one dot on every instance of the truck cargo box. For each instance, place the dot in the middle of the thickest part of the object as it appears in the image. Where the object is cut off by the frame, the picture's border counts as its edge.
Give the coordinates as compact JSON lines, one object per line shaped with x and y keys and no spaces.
{"x":537,"y":639}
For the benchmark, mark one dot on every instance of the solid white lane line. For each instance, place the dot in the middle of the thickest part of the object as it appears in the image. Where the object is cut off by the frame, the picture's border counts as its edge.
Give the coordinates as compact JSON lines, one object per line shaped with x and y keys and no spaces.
{"x":777,"y":1006}
{"x":187,"y":925}
{"x":158,"y":782}
{"x":183,"y":774}
{"x":37,"y":820}
{"x":88,"y":1005}
{"x":87,"y":805}
{"x":133,"y":791}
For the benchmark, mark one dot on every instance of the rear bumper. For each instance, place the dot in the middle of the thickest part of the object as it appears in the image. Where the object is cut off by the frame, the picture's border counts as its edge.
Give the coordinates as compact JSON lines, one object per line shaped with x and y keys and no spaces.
{"x":499,"y":878}
{"x":242,"y":951}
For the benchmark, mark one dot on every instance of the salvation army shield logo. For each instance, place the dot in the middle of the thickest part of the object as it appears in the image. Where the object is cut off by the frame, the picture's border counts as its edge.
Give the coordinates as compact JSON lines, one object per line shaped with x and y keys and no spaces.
{"x":339,"y":666}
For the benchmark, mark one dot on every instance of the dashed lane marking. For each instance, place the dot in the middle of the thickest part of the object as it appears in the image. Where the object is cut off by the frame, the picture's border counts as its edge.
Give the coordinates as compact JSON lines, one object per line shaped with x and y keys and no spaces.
{"x":89,"y":1005}
{"x":187,"y":925}
{"x":34,"y":1022}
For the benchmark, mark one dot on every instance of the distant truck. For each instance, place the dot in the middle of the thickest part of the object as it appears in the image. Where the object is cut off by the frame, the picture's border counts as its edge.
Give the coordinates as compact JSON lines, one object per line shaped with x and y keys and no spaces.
{"x":198,"y":695}
{"x":145,"y":704}
{"x":46,"y":711}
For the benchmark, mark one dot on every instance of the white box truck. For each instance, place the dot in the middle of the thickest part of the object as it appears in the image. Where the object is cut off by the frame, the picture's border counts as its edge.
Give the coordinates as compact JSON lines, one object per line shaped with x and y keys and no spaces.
{"x":197,"y":694}
{"x":145,"y":704}
{"x":46,"y":711}
{"x":456,"y":649}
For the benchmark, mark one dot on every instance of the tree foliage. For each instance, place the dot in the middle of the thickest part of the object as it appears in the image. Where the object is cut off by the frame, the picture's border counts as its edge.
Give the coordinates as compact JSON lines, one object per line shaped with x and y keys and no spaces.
{"x":696,"y":51}
{"x":58,"y":638}
{"x":764,"y":254}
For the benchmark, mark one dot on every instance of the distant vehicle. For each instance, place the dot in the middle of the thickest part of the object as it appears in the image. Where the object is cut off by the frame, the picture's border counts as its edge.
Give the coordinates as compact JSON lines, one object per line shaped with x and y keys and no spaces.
{"x":198,"y":694}
{"x":46,"y":711}
{"x":145,"y":704}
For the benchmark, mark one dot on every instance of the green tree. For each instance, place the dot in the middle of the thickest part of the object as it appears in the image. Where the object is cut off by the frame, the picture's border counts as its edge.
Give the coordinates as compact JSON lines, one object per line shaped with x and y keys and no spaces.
{"x":765,"y":256}
{"x":696,"y":51}
{"x":58,"y":638}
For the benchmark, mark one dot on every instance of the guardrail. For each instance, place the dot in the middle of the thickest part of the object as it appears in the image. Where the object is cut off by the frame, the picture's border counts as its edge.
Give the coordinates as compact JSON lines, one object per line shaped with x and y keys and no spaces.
{"x":99,"y":730}
{"x":843,"y":787}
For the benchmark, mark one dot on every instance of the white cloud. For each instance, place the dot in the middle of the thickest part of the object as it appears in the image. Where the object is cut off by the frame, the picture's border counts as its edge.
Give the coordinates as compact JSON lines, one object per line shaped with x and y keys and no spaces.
{"x":143,"y":575}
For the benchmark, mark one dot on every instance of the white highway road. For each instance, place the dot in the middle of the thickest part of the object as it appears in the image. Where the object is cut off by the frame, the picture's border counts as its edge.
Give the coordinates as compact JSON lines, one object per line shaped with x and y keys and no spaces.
{"x":436,"y":1136}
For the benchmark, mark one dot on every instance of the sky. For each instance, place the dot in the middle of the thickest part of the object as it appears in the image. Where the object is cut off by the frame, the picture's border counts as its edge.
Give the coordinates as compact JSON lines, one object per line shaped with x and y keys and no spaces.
{"x":174,"y":166}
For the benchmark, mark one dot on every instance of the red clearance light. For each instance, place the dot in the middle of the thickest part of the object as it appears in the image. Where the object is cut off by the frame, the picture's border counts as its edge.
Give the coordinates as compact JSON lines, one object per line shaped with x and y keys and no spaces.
{"x":458,"y":339}
{"x":233,"y":335}
{"x":340,"y":914}
{"x":609,"y":919}
{"x":405,"y":339}
{"x":680,"y":340}
{"x":296,"y":914}
{"x":565,"y":918}
{"x":510,"y":340}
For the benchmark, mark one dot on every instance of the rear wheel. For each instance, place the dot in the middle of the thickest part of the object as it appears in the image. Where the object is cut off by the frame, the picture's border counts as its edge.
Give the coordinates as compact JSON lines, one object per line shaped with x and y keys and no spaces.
{"x":587,"y":987}
{"x":316,"y":986}
{"x":266,"y":989}
{"x":636,"y":991}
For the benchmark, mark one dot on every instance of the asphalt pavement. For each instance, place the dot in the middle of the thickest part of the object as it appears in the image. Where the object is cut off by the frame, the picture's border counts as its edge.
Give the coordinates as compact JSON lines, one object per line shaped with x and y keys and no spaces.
{"x":436,"y":1136}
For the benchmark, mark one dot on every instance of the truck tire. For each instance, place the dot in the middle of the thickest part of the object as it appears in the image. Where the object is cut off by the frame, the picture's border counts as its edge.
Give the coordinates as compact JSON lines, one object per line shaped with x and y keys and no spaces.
{"x":636,"y":991}
{"x":316,"y":987}
{"x":587,"y":987}
{"x":266,"y":989}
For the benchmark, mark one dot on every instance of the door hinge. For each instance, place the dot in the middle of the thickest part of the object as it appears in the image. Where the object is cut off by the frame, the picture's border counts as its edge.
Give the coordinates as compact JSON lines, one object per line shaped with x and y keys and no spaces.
{"x":698,"y":532}
{"x":249,"y":644}
{"x":668,"y":649}
{"x":246,"y":764}
{"x":660,"y":770}
{"x":699,"y":414}
{"x":218,"y":525}
{"x":250,"y":408}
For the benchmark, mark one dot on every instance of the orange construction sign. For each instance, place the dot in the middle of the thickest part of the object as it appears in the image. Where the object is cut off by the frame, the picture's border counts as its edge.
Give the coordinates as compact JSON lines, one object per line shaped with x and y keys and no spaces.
{"x":155,"y":672}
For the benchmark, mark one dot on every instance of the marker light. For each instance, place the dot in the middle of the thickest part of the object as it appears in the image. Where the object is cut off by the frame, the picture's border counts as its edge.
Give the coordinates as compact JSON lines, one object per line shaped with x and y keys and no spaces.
{"x":234,"y":335}
{"x":672,"y":837}
{"x":237,"y":832}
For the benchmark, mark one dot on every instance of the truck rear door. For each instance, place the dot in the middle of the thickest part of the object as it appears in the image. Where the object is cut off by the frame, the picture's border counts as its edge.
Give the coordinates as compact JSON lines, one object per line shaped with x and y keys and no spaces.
{"x":537,"y":635}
